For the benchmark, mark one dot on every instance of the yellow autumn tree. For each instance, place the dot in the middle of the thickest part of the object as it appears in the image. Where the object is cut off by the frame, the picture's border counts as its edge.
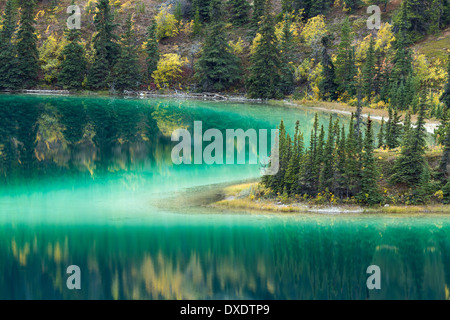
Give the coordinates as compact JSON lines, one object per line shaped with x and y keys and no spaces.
{"x":313,"y":32}
{"x":49,"y":56}
{"x":169,"y":70}
{"x":166,"y":23}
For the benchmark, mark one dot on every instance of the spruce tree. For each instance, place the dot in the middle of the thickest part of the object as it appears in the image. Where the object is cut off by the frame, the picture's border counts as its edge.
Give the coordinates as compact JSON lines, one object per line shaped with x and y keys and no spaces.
{"x":341,"y":163}
{"x":286,"y":52}
{"x":445,"y":130}
{"x":217,"y":68}
{"x":264,"y":78}
{"x":151,"y":50}
{"x":369,"y":193}
{"x":126,"y":71}
{"x":9,"y":64}
{"x":240,"y":12}
{"x":293,"y":168}
{"x":345,"y":64}
{"x":411,"y":166}
{"x":401,"y":91}
{"x":73,"y":64}
{"x":368,"y":71}
{"x":352,"y":168}
{"x":258,"y":12}
{"x":328,"y":87}
{"x":27,"y":45}
{"x":327,"y":174}
{"x":106,"y":48}
{"x":380,"y":136}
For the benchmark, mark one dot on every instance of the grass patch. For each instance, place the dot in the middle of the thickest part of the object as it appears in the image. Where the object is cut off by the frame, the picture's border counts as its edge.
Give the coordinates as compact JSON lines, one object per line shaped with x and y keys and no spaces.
{"x":435,"y":47}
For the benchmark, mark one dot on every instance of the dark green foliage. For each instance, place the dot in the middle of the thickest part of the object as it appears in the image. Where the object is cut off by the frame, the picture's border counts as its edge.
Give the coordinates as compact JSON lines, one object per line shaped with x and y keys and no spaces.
{"x":393,"y":129}
{"x":327,"y":174}
{"x":73,"y":64}
{"x":286,"y":51}
{"x":368,"y":71}
{"x":369,"y":193}
{"x":9,"y":64}
{"x":380,"y":136}
{"x":151,"y":50}
{"x":197,"y":28}
{"x":126,"y":71}
{"x":27,"y":45}
{"x":328,"y":86}
{"x":345,"y":61}
{"x":106,"y":47}
{"x":240,"y":12}
{"x":410,"y":167}
{"x":204,"y":7}
{"x":258,"y":12}
{"x":444,"y":131}
{"x":264,"y":78}
{"x":217,"y":68}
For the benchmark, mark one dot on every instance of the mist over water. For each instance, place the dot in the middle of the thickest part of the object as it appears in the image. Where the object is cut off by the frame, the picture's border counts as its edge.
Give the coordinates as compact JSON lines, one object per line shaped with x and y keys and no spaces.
{"x":90,"y":181}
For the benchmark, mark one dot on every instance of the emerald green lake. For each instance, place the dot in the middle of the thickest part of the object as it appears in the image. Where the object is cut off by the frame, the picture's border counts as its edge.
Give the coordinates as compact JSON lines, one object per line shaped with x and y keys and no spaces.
{"x":89,"y":181}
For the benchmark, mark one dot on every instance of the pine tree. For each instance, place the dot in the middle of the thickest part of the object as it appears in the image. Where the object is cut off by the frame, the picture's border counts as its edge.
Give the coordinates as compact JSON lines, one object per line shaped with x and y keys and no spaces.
{"x":328,"y":87}
{"x":327,"y":174}
{"x":240,"y":12}
{"x":380,"y":136}
{"x":126,"y":71}
{"x":411,"y":165}
{"x":352,"y":168}
{"x":369,"y":193}
{"x":217,"y":68}
{"x":197,"y":28}
{"x":293,"y":169}
{"x":73,"y":64}
{"x":444,"y":130}
{"x":258,"y":13}
{"x":9,"y":67}
{"x":341,"y":163}
{"x":345,"y":64}
{"x":151,"y":50}
{"x":27,"y":45}
{"x":401,"y":85}
{"x":368,"y":71}
{"x":264,"y":78}
{"x":393,"y":129}
{"x":286,"y":51}
{"x":106,"y":48}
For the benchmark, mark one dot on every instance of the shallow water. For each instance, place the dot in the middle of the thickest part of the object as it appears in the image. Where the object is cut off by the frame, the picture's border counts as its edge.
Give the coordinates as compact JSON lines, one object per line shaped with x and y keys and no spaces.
{"x":90,"y":182}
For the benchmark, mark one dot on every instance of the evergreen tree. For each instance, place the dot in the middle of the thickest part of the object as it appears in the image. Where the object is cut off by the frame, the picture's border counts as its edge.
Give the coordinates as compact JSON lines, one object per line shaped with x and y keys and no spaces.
{"x":401,"y":88}
{"x":197,"y":28}
{"x":393,"y":129}
{"x":152,"y":50}
{"x":293,"y":169}
{"x":27,"y":45}
{"x":9,"y":67}
{"x":369,"y":193}
{"x":368,"y":71}
{"x":264,"y":78}
{"x":126,"y":70}
{"x":106,"y":48}
{"x":345,"y":64}
{"x":352,"y":168}
{"x":341,"y":163}
{"x":258,"y":13}
{"x":444,"y":130}
{"x":327,"y":174}
{"x":286,"y":51}
{"x":240,"y":12}
{"x":217,"y":68}
{"x":73,"y":64}
{"x":411,"y":166}
{"x":328,"y":87}
{"x":380,"y":136}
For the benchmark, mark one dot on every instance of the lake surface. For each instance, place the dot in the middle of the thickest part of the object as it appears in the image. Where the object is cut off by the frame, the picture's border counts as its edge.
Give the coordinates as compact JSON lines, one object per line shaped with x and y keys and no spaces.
{"x":90,"y":182}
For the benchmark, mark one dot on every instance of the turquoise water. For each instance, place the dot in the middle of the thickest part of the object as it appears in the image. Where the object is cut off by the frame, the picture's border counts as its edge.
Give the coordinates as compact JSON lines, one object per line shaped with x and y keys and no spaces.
{"x":89,"y":181}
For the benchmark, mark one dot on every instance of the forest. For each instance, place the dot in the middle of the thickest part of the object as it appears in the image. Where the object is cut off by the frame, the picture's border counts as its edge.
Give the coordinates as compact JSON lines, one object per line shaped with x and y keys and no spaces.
{"x":293,"y":49}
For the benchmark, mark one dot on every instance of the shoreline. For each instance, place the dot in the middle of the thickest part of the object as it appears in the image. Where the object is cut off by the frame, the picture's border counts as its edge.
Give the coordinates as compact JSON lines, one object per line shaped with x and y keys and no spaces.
{"x":331,"y":107}
{"x":238,"y":198}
